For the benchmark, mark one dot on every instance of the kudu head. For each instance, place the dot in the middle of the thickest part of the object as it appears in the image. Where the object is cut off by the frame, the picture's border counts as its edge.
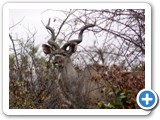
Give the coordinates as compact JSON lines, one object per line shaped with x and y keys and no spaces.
{"x":62,"y":54}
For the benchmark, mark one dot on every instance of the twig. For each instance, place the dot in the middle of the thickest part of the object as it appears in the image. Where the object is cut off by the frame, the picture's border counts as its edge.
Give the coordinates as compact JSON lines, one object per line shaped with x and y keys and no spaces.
{"x":17,"y":23}
{"x":14,"y":50}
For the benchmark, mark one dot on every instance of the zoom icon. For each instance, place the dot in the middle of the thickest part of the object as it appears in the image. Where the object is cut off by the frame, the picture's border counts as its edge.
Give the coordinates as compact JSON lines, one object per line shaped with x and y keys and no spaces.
{"x":147,"y":99}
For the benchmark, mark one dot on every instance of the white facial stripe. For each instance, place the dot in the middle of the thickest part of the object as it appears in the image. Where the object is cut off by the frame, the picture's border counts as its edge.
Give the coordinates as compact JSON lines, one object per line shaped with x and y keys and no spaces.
{"x":58,"y":55}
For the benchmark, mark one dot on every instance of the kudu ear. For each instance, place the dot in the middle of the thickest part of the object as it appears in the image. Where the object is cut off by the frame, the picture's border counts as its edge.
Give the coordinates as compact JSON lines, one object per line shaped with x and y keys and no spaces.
{"x":73,"y":47}
{"x":72,"y":44}
{"x":46,"y":49}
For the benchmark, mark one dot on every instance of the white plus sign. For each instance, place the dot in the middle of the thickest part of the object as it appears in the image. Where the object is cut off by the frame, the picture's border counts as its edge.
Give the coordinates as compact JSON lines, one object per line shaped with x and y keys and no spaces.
{"x":147,"y":99}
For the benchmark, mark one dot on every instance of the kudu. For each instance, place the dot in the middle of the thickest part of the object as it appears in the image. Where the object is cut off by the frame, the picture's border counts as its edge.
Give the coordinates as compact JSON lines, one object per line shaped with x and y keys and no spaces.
{"x":77,"y":87}
{"x":85,"y":89}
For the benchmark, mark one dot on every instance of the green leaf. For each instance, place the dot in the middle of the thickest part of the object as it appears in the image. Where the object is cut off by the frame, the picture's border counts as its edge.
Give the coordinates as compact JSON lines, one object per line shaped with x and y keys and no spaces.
{"x":122,"y":97}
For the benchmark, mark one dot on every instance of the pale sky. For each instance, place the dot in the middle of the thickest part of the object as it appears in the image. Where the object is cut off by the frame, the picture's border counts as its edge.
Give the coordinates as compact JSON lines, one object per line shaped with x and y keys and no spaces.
{"x":32,"y":20}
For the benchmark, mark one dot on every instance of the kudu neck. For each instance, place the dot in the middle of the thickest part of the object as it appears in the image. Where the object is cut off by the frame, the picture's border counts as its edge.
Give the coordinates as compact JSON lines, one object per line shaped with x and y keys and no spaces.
{"x":68,"y":70}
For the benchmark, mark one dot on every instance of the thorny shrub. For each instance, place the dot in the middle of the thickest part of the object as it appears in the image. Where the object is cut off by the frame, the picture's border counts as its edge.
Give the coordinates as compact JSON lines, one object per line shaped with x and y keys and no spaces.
{"x":36,"y":88}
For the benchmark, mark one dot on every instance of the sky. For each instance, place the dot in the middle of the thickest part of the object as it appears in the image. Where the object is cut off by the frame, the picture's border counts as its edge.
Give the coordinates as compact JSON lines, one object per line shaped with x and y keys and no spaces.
{"x":32,"y":20}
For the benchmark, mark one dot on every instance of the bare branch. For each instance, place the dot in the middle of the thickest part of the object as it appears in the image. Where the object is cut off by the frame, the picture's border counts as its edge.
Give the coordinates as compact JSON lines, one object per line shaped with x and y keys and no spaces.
{"x":14,"y":48}
{"x":17,"y":23}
